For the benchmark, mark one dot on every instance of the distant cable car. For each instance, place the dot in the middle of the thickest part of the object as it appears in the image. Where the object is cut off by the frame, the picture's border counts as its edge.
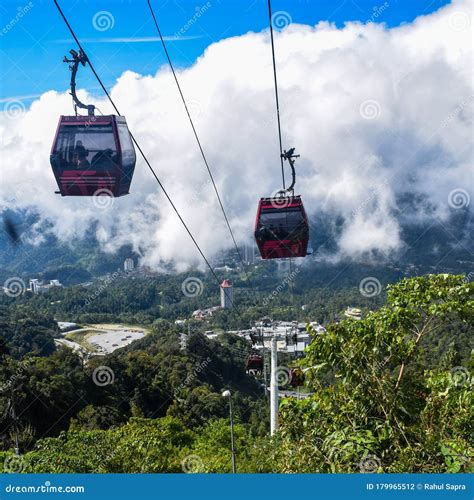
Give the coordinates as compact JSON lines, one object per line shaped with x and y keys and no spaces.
{"x":91,"y":155}
{"x":297,"y":377}
{"x":281,"y":225}
{"x":254,"y":364}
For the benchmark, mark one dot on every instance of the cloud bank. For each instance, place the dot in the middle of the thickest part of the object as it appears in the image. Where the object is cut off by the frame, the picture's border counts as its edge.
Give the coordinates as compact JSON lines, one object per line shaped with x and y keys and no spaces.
{"x":378,"y":115}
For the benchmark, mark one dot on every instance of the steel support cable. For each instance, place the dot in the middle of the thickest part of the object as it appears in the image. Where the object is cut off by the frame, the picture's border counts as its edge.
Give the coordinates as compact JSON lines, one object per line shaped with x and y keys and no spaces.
{"x":195,"y":132}
{"x":276,"y":91}
{"x":140,"y":149}
{"x":136,"y":144}
{"x":277,"y":102}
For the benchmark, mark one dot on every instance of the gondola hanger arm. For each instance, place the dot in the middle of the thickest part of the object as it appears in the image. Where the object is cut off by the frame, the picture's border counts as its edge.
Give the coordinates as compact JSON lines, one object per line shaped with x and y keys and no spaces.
{"x":77,"y":58}
{"x":291,"y":158}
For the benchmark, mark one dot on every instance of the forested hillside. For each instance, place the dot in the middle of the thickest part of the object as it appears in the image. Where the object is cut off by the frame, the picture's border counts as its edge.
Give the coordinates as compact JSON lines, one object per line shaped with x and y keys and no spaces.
{"x":391,"y":392}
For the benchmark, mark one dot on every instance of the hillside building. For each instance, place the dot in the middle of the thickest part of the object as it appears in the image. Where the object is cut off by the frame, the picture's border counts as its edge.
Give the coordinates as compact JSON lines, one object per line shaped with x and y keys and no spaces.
{"x":353,"y":313}
{"x":37,"y":286}
{"x":128,"y":264}
{"x":249,"y":254}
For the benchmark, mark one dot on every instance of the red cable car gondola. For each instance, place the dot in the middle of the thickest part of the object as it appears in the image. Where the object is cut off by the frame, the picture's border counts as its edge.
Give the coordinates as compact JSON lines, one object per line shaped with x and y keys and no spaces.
{"x":297,"y":377}
{"x":281,"y":225}
{"x":254,"y":364}
{"x":91,"y":155}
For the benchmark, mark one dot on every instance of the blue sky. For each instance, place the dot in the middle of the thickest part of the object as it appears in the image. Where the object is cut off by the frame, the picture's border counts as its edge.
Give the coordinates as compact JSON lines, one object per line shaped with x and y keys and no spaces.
{"x":32,"y":47}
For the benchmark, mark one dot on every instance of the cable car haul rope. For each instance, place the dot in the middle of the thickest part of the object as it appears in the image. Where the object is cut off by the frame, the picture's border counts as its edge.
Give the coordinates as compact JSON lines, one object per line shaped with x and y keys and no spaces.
{"x":136,"y":144}
{"x":281,"y":226}
{"x":94,"y":155}
{"x":91,"y":155}
{"x":195,"y":132}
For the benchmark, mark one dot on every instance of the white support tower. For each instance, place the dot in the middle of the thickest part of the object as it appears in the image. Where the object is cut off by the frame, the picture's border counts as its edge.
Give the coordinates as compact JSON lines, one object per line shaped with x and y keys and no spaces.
{"x":274,"y":388}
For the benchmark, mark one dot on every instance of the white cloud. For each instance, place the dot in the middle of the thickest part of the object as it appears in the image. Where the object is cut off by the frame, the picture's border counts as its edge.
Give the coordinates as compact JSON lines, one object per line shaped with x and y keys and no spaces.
{"x":375,"y":113}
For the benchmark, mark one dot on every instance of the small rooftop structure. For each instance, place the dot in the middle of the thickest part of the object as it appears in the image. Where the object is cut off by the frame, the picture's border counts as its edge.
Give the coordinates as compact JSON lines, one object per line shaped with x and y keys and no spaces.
{"x":224,"y":268}
{"x":201,"y":314}
{"x":353,"y":313}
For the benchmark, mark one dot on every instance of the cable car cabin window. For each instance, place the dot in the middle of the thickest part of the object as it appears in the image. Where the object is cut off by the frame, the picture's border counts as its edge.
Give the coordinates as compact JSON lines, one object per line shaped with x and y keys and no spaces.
{"x":86,"y":147}
{"x":126,"y":144}
{"x":282,"y":224}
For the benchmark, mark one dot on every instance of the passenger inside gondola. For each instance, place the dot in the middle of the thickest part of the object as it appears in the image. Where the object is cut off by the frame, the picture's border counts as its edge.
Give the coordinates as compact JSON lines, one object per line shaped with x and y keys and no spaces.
{"x":104,"y":159}
{"x":79,"y":158}
{"x":83,"y":147}
{"x":282,"y":224}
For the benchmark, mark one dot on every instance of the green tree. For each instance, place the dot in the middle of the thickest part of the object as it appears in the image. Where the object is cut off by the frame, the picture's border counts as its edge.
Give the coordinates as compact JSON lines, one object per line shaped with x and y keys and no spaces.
{"x":372,"y":395}
{"x":141,"y":445}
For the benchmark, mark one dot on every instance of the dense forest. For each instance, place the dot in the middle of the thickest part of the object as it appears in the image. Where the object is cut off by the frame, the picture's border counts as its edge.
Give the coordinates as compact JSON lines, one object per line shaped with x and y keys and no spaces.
{"x":325,"y":291}
{"x":391,"y":392}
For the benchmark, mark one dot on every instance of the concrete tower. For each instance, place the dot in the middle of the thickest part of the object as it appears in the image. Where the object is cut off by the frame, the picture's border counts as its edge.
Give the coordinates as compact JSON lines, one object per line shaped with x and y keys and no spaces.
{"x":226,"y":295}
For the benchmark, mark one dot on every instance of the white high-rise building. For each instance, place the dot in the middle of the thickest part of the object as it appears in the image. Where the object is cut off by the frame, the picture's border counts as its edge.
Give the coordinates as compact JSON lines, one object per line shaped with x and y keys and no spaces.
{"x":227,"y":301}
{"x":249,"y":254}
{"x":35,"y":285}
{"x":128,"y":264}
